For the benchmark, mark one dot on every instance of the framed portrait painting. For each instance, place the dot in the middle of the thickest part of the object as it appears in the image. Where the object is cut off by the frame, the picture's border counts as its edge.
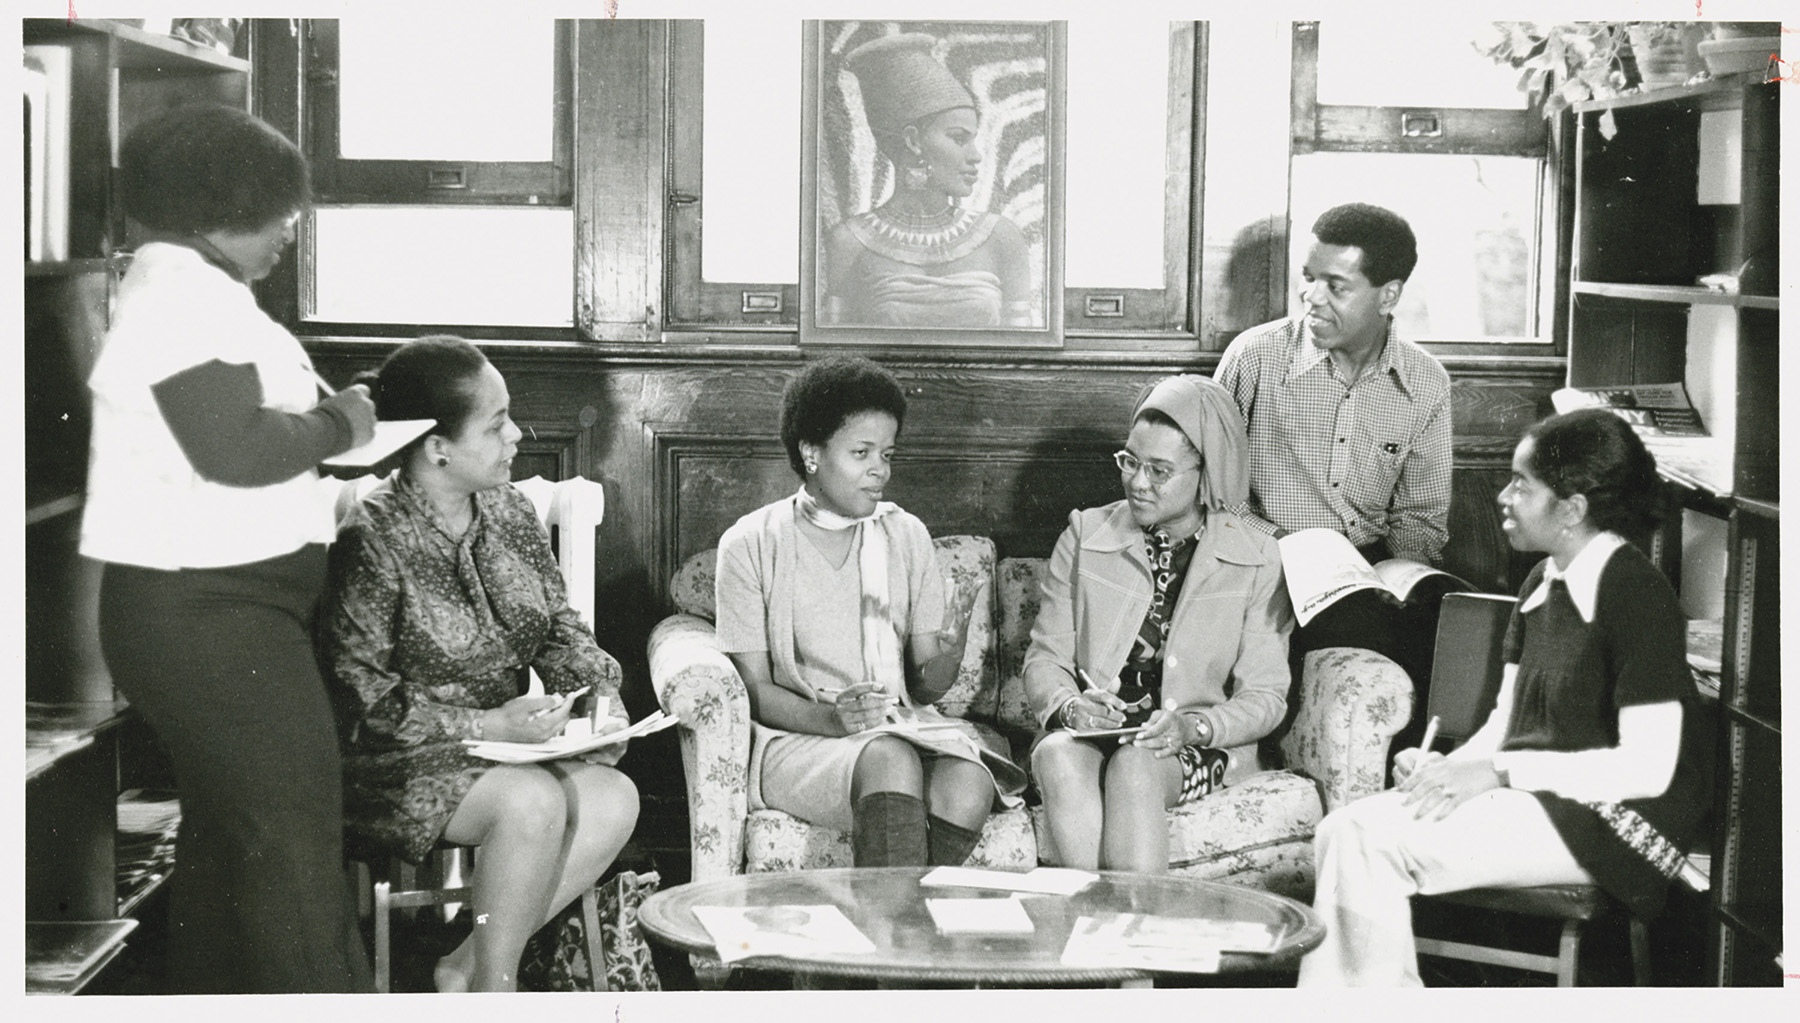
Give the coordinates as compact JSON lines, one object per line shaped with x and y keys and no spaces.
{"x":932,"y":183}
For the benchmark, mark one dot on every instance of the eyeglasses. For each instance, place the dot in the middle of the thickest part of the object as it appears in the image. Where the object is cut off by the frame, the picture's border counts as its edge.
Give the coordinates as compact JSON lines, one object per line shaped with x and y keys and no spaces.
{"x":1157,"y":473}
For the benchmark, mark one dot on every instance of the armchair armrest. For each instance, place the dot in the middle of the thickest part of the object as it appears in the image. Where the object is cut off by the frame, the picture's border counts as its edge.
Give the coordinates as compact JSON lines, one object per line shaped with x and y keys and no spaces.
{"x":698,"y":684}
{"x":1352,"y":702}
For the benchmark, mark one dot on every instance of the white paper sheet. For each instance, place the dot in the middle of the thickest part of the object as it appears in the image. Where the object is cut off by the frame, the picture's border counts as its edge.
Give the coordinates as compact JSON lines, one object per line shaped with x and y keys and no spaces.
{"x":390,"y":436}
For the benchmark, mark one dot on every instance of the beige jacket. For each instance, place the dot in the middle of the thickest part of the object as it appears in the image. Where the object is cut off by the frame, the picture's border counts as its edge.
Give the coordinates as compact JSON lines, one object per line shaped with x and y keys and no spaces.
{"x":1226,"y":658}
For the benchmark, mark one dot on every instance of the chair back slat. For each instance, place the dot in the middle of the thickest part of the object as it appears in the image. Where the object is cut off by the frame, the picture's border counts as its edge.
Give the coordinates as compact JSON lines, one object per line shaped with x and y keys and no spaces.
{"x":1467,"y":663}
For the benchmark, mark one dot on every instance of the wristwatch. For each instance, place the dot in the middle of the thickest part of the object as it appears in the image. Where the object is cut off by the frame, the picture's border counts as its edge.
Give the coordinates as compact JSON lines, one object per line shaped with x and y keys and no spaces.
{"x":1066,"y":713}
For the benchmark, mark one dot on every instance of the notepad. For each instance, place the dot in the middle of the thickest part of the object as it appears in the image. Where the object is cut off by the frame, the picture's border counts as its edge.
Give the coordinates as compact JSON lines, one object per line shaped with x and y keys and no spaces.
{"x":390,"y":436}
{"x":564,"y":745}
{"x":980,"y":916}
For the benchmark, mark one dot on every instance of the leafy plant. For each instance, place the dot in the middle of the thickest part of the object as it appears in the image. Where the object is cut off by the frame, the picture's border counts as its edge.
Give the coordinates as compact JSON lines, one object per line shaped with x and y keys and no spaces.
{"x":1567,"y":62}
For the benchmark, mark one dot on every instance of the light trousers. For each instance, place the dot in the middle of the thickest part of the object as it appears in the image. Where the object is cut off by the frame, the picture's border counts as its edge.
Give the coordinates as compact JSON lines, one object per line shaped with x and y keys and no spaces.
{"x":1372,"y":857}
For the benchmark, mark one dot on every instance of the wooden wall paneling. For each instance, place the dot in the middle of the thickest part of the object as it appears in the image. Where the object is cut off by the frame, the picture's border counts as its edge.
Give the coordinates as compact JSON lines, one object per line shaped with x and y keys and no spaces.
{"x":620,"y":140}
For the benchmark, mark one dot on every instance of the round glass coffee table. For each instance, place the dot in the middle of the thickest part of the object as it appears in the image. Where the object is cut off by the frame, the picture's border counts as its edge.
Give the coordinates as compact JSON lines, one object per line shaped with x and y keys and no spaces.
{"x":887,"y":904}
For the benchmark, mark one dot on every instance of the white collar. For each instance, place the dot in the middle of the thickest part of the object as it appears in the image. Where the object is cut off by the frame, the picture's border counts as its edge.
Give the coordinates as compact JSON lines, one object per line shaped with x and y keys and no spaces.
{"x":1582,"y":577}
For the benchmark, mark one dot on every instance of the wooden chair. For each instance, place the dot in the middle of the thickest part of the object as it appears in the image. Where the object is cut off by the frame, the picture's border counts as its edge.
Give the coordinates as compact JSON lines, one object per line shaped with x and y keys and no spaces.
{"x":1465,"y":683}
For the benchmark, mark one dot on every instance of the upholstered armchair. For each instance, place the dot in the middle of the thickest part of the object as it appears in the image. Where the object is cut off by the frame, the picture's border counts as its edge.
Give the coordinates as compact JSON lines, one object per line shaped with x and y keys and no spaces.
{"x":1259,"y":832}
{"x":732,"y":832}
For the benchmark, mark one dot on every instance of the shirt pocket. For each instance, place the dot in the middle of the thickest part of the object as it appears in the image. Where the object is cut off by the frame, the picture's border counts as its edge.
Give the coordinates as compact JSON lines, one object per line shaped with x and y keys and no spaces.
{"x":1373,"y":476}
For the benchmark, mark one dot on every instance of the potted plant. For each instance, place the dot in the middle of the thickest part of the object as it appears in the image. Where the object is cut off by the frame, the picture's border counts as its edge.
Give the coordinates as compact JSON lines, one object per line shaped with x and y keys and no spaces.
{"x":1567,"y":62}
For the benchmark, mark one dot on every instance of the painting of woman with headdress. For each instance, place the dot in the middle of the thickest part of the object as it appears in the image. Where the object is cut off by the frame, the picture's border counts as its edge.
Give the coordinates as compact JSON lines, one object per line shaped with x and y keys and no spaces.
{"x":932,"y":182}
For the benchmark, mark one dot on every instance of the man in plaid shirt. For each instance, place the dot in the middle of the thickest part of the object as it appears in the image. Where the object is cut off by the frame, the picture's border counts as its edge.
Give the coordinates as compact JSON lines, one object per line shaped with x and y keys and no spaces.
{"x":1350,"y":430}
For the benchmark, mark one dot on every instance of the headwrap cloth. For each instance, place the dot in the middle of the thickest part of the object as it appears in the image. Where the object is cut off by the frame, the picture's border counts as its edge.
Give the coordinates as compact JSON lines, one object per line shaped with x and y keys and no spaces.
{"x":1209,"y":417}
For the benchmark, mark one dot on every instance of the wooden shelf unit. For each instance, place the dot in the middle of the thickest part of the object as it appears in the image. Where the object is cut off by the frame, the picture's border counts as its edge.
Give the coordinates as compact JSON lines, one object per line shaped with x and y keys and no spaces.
{"x":1672,"y":186}
{"x":75,"y":921}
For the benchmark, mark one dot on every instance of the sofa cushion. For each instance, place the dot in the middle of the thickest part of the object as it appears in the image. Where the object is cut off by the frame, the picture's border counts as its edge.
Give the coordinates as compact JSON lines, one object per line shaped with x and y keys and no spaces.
{"x":691,"y":587}
{"x":1020,"y":596}
{"x":777,"y":841}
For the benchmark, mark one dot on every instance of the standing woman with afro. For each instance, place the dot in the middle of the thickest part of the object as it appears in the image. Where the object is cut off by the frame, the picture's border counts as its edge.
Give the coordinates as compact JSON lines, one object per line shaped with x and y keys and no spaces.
{"x":204,"y":506}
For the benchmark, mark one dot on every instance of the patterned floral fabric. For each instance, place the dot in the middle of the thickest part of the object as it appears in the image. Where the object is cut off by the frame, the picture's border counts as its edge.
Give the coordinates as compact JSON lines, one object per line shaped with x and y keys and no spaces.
{"x":422,"y":631}
{"x":1259,"y":832}
{"x":556,"y":957}
{"x":1352,"y":702}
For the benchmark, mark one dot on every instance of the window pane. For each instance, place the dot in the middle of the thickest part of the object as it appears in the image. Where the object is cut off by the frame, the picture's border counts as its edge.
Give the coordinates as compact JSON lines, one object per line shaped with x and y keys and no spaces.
{"x":419,"y":88}
{"x":1116,"y":154}
{"x":750,"y":157}
{"x":1371,"y":63}
{"x":1475,"y":218}
{"x":466,"y":265}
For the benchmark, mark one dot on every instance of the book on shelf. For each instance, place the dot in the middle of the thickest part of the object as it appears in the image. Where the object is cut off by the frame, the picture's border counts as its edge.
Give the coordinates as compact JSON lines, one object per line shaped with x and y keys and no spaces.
{"x":1323,"y":567}
{"x":48,"y":83}
{"x":60,"y":952}
{"x":1653,"y":410}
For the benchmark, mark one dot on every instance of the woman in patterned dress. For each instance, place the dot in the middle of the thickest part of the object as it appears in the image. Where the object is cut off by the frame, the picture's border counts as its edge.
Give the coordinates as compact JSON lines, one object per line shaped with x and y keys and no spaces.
{"x":443,"y":591}
{"x":1592,"y":767}
{"x":1174,"y":610}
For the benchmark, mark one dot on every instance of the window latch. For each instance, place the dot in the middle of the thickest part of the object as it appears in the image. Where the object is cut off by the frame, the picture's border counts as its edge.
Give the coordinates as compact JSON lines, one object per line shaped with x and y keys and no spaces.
{"x":1421,"y":124}
{"x":446,"y":177}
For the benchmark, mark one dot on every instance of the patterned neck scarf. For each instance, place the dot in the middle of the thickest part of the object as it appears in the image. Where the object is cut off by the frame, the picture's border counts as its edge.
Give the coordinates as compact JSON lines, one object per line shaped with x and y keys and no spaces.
{"x":1169,"y":561}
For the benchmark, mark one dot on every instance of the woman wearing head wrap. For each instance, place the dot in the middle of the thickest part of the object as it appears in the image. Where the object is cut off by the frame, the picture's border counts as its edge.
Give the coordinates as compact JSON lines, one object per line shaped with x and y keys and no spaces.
{"x":1162,"y":610}
{"x":920,"y":259}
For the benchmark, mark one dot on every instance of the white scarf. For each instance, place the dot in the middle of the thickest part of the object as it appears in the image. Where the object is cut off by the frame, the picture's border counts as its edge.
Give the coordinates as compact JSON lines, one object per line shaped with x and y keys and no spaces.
{"x":880,"y":638}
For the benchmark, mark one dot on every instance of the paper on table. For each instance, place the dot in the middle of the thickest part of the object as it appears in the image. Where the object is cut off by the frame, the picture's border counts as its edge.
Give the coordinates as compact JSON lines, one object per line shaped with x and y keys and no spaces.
{"x":565,"y":745}
{"x":1043,"y":880}
{"x":390,"y":436}
{"x":1144,"y":941}
{"x":739,"y":932}
{"x":980,"y":916}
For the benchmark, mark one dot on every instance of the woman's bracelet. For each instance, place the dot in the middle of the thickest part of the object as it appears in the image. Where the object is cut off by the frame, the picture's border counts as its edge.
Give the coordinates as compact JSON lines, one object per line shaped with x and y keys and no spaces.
{"x":1066,"y":712}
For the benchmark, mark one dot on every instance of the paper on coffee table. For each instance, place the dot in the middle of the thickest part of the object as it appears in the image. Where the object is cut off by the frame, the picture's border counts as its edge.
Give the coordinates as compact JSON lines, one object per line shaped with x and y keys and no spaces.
{"x":739,"y":932}
{"x":1171,"y":944}
{"x":1043,"y":880}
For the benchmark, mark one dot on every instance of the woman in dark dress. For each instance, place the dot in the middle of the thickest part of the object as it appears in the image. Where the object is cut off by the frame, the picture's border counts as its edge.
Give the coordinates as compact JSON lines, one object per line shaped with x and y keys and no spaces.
{"x":1591,"y":768}
{"x":443,"y":591}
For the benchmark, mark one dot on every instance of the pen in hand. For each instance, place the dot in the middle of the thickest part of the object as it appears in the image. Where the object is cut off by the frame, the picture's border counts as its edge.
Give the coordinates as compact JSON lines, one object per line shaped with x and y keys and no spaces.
{"x":568,"y":698}
{"x":1430,"y":736}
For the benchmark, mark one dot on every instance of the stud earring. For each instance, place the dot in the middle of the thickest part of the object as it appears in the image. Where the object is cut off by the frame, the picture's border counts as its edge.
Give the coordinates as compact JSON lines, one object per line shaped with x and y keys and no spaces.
{"x":812,"y":467}
{"x":443,"y":462}
{"x":917,"y":176}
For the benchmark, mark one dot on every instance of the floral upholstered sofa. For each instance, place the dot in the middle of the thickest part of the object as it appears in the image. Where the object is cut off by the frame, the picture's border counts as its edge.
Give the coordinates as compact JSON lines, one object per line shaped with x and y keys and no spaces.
{"x":1349,"y":705}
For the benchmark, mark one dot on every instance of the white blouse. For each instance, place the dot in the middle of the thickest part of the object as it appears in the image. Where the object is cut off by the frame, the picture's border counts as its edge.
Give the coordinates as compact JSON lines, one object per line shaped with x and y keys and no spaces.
{"x":146,"y":505}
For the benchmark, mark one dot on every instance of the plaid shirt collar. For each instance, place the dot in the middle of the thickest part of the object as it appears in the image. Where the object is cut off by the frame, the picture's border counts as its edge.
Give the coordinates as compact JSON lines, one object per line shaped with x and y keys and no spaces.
{"x":1308,"y":355}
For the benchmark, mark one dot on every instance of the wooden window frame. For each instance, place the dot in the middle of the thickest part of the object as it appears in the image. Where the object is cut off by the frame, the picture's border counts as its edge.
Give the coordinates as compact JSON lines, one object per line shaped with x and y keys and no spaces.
{"x":1333,"y":128}
{"x":337,"y":180}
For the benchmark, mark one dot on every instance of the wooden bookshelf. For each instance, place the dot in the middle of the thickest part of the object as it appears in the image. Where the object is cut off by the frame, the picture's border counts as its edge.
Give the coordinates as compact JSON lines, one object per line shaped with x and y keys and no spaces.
{"x":76,"y":910}
{"x":1671,"y":186}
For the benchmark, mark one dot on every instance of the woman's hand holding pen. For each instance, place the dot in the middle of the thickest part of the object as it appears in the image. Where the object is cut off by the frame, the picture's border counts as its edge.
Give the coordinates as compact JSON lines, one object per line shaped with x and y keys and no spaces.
{"x":860,"y":707}
{"x":529,"y":718}
{"x":1094,"y":708}
{"x":354,"y":404}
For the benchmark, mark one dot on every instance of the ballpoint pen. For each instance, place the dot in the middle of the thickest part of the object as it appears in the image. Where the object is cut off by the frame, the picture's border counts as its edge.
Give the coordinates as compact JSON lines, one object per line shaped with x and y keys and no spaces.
{"x":1430,"y":736}
{"x":567,"y":699}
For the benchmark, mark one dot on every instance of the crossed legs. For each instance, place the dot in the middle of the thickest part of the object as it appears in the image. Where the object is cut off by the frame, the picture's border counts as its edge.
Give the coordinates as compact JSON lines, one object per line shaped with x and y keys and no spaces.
{"x":1107,"y":806}
{"x":543,"y":834}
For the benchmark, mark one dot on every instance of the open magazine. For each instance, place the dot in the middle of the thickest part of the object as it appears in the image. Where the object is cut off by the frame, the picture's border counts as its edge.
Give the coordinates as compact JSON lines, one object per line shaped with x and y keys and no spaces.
{"x":1323,"y":567}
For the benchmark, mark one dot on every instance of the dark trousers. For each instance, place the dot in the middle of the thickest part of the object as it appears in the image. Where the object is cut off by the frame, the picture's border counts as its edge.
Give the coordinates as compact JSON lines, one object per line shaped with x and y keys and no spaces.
{"x":220,"y":663}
